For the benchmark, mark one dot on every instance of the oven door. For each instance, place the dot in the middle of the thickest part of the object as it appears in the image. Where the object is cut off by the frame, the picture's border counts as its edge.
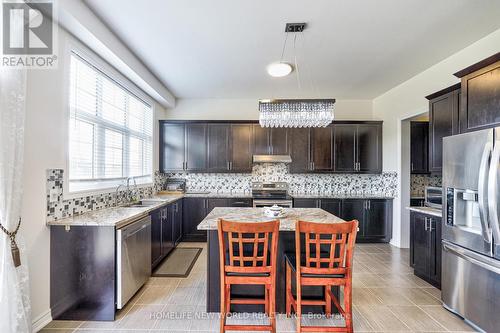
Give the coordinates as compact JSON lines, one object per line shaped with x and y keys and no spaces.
{"x":268,"y":203}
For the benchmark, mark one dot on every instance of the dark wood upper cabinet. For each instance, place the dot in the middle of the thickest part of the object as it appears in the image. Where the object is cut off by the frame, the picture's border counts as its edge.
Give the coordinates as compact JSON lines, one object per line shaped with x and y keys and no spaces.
{"x":443,"y":121}
{"x":300,"y":150}
{"x":241,"y":148}
{"x":345,"y":147}
{"x":322,"y":148}
{"x":221,"y":146}
{"x":480,"y":99}
{"x":172,"y":146}
{"x":196,"y":147}
{"x":273,"y":141}
{"x":369,"y":148}
{"x":279,"y":141}
{"x":261,"y":144}
{"x":358,"y":147}
{"x":419,"y":147}
{"x":218,"y":147}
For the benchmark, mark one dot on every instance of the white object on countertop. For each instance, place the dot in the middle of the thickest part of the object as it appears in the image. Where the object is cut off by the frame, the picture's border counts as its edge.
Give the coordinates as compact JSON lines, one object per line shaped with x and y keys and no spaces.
{"x":274,"y":211}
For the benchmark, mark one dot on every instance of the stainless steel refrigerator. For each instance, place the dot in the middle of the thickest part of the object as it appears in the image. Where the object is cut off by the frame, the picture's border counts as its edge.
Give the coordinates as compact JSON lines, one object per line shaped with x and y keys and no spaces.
{"x":471,"y":230}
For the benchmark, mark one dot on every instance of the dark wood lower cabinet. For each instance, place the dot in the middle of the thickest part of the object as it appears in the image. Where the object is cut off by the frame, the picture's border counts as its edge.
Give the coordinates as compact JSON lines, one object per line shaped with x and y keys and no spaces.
{"x":374,"y":215}
{"x":425,"y":247}
{"x":196,"y":209}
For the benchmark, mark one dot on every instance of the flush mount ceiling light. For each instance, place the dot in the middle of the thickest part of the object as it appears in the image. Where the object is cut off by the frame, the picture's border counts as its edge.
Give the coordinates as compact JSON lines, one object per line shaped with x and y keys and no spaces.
{"x":279,"y":69}
{"x":293,"y":112}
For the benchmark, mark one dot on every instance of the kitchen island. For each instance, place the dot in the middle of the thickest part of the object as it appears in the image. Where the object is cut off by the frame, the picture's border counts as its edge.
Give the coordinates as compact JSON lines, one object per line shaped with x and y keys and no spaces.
{"x":286,"y":244}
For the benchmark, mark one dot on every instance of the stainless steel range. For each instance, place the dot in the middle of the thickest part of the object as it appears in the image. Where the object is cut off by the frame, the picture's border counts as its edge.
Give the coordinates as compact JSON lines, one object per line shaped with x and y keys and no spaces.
{"x":266,"y":194}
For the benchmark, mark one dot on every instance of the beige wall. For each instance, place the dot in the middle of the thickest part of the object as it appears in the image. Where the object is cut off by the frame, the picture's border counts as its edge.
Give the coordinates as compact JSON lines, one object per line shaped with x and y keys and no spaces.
{"x":45,"y":147}
{"x":248,"y":109}
{"x":408,"y":100}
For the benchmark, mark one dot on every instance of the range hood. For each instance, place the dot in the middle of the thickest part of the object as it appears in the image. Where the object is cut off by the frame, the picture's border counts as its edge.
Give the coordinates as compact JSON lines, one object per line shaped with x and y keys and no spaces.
{"x":272,"y":159}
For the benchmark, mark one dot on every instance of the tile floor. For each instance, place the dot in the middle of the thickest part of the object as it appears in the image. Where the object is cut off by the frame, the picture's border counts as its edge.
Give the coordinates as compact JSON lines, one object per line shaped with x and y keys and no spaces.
{"x":387,"y":297}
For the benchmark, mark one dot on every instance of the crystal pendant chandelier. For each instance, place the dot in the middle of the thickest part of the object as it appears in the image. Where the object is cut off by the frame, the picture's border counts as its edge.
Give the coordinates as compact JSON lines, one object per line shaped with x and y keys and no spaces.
{"x":296,"y":112}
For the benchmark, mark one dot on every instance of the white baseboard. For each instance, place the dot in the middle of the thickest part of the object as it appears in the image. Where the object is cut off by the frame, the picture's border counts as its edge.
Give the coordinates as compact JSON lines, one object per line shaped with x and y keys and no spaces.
{"x":41,"y":321}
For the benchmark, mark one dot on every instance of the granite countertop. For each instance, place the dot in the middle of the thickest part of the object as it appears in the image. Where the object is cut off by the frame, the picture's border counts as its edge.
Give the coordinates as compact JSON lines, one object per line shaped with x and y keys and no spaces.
{"x":426,"y":210}
{"x":287,"y":223}
{"x":221,"y":195}
{"x":342,"y":196}
{"x":116,"y":216}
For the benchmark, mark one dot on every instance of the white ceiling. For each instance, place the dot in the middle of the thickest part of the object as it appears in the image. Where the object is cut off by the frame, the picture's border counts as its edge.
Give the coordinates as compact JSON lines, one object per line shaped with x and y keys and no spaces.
{"x":352,"y":49}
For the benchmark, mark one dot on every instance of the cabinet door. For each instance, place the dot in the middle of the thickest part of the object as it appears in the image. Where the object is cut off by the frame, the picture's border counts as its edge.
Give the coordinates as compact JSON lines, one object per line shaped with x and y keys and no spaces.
{"x":421,"y":246}
{"x":345,"y":147}
{"x":481,"y":99}
{"x":261,"y":144}
{"x":332,"y":206}
{"x":194,"y":211}
{"x":300,"y":150}
{"x":442,"y":122}
{"x":354,"y":209}
{"x":305,"y":203}
{"x":156,"y":235}
{"x":172,"y":147}
{"x":435,"y":250}
{"x":167,"y":241}
{"x":241,"y":147}
{"x":419,"y":147}
{"x":279,"y":141}
{"x":196,"y":147}
{"x":376,"y":223}
{"x":322,"y":148}
{"x":218,"y":147}
{"x":177,"y":222}
{"x":369,"y":148}
{"x":216,"y":202}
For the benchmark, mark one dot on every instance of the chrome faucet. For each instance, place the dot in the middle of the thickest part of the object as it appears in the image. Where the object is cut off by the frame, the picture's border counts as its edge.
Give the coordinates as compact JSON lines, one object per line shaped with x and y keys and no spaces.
{"x":131,"y":196}
{"x":116,"y":194}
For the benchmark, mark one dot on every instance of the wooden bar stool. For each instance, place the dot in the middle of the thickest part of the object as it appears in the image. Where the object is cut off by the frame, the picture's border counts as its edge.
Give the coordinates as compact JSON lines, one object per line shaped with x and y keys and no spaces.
{"x":327,"y":262}
{"x":252,"y":261}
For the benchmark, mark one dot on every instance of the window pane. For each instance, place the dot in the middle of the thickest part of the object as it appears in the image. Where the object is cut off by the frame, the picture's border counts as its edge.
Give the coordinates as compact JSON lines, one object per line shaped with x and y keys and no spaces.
{"x":81,"y":150}
{"x":113,"y":154}
{"x":111,"y":130}
{"x":113,"y":102}
{"x":136,"y":157}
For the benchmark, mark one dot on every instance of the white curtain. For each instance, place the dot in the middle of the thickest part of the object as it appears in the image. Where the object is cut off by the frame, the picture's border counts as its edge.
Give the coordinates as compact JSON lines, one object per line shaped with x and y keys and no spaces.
{"x":15,"y":310}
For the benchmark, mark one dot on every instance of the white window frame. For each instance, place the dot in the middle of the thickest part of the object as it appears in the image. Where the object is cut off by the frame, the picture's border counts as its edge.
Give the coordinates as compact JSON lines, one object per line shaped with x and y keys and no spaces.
{"x":114,"y":75}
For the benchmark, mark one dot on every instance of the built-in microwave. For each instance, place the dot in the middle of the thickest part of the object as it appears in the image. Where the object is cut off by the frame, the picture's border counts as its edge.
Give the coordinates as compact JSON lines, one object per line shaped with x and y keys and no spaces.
{"x":434,"y":197}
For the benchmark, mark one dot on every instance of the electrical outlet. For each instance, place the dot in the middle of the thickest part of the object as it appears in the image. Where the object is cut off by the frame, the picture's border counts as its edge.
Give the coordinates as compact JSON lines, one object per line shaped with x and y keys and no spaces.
{"x":53,"y":195}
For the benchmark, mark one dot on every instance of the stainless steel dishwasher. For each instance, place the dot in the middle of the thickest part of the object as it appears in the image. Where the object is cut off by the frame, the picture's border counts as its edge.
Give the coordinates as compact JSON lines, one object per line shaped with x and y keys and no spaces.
{"x":133,"y":257}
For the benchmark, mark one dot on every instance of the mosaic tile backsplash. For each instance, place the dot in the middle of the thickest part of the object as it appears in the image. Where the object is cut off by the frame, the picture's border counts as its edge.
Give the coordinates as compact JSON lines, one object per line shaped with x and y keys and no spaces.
{"x":61,"y":208}
{"x":382,"y":184}
{"x":419,"y":182}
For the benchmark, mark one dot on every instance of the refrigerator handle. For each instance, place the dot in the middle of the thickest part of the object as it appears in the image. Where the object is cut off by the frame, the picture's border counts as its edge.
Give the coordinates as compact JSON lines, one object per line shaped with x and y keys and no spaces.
{"x":493,"y":190}
{"x":482,"y":192}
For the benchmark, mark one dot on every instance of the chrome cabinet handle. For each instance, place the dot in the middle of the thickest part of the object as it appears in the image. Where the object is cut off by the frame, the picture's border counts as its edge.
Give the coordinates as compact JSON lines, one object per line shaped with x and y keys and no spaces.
{"x":482,"y":193}
{"x":425,"y":225}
